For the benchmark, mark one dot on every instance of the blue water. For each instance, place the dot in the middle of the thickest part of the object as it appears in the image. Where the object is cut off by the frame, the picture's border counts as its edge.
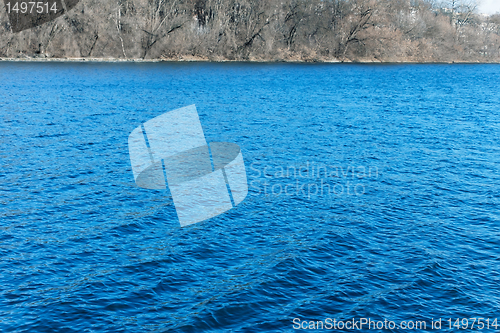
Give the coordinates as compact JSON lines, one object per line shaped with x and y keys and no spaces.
{"x":411,"y":231}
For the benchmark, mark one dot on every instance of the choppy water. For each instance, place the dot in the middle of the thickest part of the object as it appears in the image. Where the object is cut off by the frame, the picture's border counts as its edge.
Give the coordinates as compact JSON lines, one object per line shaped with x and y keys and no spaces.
{"x":409,"y":231}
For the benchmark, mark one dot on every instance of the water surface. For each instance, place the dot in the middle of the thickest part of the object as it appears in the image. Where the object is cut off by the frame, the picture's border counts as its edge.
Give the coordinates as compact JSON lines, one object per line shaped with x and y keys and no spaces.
{"x":413,"y":235}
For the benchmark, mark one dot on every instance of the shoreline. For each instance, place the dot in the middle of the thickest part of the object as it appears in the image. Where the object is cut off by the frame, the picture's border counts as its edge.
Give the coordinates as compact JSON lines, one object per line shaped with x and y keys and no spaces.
{"x":285,"y":61}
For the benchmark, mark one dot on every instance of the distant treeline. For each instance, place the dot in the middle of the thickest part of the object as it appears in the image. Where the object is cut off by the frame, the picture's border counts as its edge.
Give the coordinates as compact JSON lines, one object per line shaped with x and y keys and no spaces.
{"x":267,"y":30}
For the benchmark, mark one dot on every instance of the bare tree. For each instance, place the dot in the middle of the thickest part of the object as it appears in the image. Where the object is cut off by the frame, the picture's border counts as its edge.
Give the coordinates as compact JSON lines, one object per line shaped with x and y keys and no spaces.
{"x":162,"y":19}
{"x":311,"y":30}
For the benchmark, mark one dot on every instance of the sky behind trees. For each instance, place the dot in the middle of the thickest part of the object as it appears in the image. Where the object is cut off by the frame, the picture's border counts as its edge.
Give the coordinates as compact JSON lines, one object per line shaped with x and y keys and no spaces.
{"x":489,"y":6}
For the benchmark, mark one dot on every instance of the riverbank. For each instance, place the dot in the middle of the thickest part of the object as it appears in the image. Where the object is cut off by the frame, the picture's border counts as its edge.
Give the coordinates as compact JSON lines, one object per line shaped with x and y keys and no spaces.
{"x":199,"y":59}
{"x":259,"y":31}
